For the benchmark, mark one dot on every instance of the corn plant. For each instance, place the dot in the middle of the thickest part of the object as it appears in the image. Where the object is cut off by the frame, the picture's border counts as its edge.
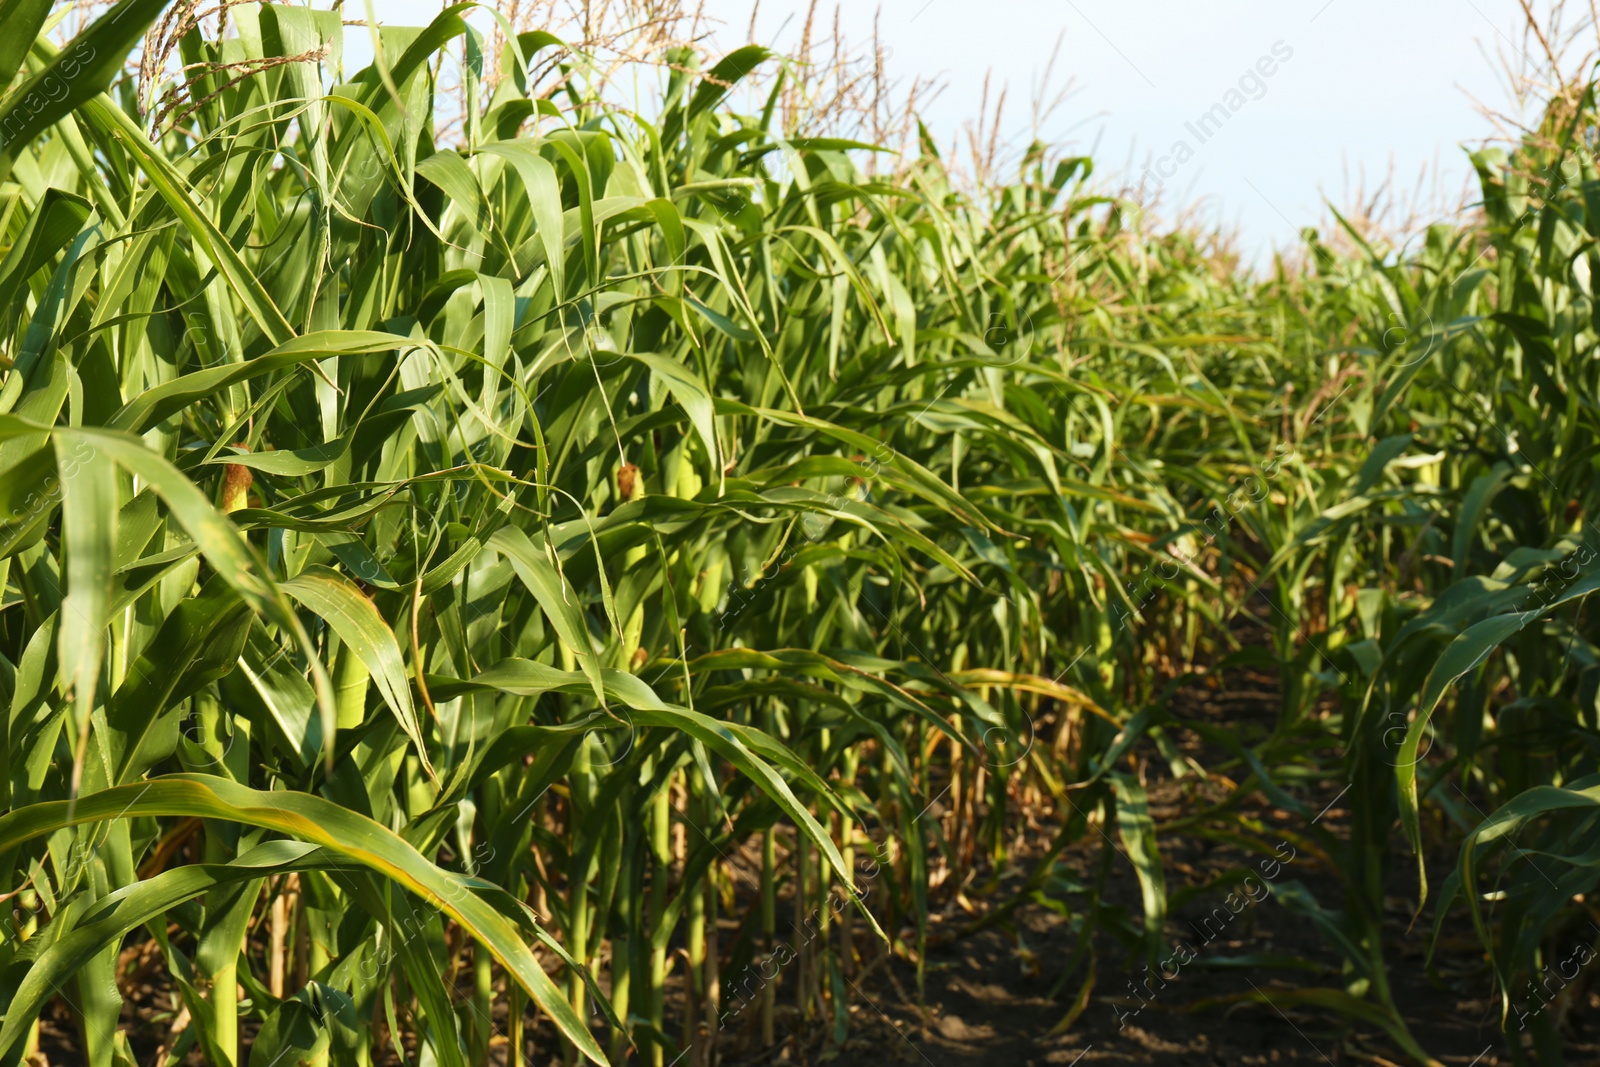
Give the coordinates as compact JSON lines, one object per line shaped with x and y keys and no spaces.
{"x":469,"y":534}
{"x":383,"y":517}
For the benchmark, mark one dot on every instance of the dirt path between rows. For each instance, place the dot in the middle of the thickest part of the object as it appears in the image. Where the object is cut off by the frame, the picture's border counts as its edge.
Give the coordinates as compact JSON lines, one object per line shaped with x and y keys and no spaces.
{"x":996,"y":997}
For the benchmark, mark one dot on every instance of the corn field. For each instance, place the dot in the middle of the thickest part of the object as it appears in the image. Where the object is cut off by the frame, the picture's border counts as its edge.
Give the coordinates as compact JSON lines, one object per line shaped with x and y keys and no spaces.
{"x":499,"y":571}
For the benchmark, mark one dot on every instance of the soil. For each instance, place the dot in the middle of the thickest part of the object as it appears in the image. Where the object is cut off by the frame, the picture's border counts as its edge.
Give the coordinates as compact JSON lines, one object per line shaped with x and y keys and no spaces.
{"x":999,"y":995}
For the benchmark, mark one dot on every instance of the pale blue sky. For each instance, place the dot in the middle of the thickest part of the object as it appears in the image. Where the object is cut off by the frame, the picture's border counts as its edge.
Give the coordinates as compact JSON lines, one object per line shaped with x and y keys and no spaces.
{"x":1372,"y":86}
{"x":1368,"y":82}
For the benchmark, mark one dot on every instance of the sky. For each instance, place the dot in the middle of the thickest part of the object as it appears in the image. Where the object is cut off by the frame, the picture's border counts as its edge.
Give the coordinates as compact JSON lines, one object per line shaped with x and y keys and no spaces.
{"x":1357,"y":88}
{"x":1312,"y":100}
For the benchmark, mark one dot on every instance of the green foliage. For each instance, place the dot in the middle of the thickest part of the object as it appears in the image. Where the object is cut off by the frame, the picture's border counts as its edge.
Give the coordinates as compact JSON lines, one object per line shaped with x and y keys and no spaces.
{"x":432,"y":554}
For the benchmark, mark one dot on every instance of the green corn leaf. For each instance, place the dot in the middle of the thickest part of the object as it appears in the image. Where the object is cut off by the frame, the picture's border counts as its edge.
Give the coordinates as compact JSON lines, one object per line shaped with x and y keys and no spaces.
{"x":82,"y":69}
{"x":89,"y":530}
{"x":316,"y":821}
{"x":158,"y":403}
{"x":232,"y":557}
{"x":537,"y":570}
{"x":51,"y":227}
{"x":23,"y":20}
{"x":114,"y":916}
{"x":360,"y":628}
{"x":199,"y":642}
{"x":1138,"y":833}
